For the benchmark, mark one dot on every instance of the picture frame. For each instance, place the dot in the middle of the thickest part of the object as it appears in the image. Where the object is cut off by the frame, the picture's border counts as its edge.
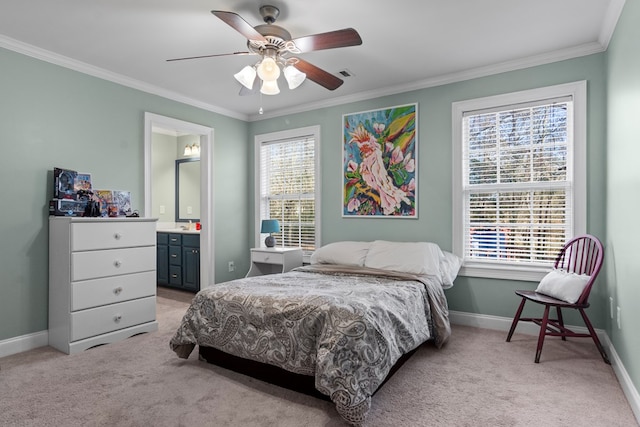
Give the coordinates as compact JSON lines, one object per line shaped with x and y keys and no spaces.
{"x":380,"y":163}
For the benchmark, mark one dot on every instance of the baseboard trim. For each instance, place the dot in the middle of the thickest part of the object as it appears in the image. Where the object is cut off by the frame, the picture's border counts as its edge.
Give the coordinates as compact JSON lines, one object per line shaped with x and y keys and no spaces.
{"x":628,"y":388}
{"x":24,"y":343}
{"x":504,"y":324}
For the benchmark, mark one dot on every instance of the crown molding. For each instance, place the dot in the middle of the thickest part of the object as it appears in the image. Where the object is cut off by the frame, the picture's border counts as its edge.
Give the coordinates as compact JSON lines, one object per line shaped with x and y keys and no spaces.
{"x":610,"y":21}
{"x":518,"y":64}
{"x":82,"y":67}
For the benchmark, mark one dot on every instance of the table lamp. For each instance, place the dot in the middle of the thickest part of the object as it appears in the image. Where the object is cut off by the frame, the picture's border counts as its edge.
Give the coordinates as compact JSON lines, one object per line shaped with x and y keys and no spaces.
{"x":270,"y":226}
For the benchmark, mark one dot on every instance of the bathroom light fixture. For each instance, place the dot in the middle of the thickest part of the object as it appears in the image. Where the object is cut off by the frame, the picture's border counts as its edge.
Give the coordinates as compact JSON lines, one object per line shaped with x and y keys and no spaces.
{"x":192,"y":150}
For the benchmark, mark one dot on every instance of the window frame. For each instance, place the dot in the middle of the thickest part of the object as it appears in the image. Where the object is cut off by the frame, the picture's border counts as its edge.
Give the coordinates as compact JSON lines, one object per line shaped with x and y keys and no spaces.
{"x":272,"y":137}
{"x":502,"y":270}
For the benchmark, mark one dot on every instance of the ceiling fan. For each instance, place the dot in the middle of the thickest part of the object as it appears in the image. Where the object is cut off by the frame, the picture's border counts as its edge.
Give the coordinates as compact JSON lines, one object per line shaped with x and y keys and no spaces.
{"x":276,"y":49}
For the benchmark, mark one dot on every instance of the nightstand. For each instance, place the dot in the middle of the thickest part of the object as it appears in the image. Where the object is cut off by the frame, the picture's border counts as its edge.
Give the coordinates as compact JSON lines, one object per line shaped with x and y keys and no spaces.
{"x":274,"y":260}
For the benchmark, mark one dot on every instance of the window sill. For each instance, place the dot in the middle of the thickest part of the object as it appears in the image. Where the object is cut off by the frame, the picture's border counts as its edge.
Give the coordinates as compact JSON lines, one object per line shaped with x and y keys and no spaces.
{"x":504,"y":272}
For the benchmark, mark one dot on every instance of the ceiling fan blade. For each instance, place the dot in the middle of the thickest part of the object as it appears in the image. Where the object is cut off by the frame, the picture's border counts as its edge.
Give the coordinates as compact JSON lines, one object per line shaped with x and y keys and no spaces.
{"x":240,"y":25}
{"x":318,"y":75}
{"x":210,"y":56}
{"x":330,"y":40}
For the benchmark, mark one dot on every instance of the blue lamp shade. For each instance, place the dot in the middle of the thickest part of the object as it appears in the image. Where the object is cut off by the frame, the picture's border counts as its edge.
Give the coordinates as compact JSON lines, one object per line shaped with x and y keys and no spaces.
{"x":270,"y":226}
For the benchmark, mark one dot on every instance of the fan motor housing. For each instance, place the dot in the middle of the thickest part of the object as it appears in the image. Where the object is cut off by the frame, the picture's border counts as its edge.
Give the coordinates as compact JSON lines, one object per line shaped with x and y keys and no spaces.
{"x":276,"y":38}
{"x":270,"y":30}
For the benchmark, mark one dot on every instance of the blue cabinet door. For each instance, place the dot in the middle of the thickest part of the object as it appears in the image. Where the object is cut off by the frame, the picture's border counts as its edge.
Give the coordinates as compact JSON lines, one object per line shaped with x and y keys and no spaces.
{"x":191,"y":268}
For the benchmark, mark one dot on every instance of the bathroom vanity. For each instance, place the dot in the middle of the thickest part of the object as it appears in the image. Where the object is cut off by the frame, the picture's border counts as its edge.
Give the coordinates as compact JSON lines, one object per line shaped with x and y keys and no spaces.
{"x":178,"y":259}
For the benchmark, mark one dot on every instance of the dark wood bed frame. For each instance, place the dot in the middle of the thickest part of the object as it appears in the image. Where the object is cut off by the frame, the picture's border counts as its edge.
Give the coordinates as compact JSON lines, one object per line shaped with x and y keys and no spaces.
{"x":278,"y":376}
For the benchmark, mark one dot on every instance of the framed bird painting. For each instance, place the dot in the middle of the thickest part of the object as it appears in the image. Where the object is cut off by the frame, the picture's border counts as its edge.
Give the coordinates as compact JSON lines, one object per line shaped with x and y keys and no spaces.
{"x":380,"y":163}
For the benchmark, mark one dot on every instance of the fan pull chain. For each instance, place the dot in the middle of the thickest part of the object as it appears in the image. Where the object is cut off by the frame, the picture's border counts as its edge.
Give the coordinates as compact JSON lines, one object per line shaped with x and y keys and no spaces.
{"x":260,"y":111}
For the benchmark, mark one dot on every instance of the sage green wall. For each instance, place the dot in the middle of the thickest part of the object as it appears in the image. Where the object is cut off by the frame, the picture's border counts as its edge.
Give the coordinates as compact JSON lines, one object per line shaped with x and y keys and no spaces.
{"x":52,"y":116}
{"x":490,"y":297}
{"x":623,"y":182}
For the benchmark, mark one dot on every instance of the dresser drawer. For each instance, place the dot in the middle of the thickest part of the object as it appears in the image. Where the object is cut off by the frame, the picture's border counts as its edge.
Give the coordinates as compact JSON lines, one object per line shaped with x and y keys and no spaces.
{"x":113,"y":262}
{"x":100,"y":320}
{"x":175,"y":255}
{"x":175,"y":275}
{"x":175,"y":239}
{"x":110,"y":290}
{"x":112,"y":234}
{"x":267,"y":257}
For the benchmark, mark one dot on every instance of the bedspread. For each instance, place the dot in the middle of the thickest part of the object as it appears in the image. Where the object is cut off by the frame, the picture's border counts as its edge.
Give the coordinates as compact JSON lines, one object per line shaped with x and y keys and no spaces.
{"x":346,"y":326}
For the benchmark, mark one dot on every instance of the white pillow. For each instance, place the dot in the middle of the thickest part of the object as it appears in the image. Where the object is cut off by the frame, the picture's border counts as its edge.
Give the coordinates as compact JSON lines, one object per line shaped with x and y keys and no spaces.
{"x":345,"y":253}
{"x":405,"y":257}
{"x":563,"y":286}
{"x":449,"y":266}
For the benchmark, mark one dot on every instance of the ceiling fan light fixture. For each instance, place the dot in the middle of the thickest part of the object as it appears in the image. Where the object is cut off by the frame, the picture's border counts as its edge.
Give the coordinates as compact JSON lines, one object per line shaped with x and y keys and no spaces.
{"x":294,"y":76}
{"x":246,"y":76}
{"x":268,"y":69}
{"x":270,"y":87}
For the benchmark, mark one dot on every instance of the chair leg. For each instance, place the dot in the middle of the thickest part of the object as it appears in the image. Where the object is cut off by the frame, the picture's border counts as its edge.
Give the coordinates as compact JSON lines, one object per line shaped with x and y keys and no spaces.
{"x":594,"y":336}
{"x":516,"y":319}
{"x":561,"y":322}
{"x":543,"y":333}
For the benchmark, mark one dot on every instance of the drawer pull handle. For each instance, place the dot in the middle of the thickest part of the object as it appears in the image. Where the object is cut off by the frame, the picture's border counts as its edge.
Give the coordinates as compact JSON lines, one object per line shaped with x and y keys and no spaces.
{"x":117,"y":263}
{"x":174,"y":276}
{"x":117,"y":290}
{"x":117,"y":236}
{"x":117,"y":318}
{"x":174,"y":256}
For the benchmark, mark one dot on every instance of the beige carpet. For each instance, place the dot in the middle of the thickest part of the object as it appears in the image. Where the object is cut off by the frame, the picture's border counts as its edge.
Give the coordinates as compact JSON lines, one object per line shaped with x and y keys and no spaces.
{"x":477,"y":379}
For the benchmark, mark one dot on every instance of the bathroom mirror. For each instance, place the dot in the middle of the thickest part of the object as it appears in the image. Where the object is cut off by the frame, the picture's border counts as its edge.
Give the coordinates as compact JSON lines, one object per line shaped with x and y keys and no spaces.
{"x":188,"y":190}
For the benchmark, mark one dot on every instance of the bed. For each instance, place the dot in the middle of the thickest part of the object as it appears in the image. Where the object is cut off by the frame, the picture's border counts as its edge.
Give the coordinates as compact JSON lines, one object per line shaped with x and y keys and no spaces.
{"x":343,"y":322}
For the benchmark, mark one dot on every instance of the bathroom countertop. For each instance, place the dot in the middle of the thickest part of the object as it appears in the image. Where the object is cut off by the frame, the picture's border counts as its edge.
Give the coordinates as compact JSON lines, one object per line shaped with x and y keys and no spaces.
{"x":177,"y":231}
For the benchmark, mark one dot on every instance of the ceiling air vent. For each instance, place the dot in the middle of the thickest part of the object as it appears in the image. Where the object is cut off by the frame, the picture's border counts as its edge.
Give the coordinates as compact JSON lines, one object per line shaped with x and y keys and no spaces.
{"x":346,"y":73}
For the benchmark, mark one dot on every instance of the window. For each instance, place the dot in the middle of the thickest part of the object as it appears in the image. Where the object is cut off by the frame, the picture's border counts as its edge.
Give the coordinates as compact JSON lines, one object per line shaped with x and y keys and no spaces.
{"x":519,"y":179}
{"x":287,"y":185}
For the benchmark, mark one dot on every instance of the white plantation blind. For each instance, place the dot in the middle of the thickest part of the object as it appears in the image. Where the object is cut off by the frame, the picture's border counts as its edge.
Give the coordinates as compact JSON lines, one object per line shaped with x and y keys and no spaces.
{"x":288,"y":189}
{"x":517,"y":183}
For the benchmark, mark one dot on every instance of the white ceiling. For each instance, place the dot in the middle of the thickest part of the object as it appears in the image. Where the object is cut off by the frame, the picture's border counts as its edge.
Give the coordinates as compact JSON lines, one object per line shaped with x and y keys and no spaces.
{"x":407,"y":44}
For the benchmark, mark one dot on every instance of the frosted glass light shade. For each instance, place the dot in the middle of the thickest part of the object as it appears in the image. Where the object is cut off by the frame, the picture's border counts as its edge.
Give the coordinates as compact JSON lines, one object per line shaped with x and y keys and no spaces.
{"x":270,"y":87}
{"x":192,"y":150}
{"x":294,"y":76}
{"x":268,"y":70}
{"x":246,"y":76}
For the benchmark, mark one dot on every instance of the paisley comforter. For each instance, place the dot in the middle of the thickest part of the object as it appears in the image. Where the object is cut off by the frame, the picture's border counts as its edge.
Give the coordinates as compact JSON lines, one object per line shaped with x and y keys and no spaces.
{"x":346,"y":326}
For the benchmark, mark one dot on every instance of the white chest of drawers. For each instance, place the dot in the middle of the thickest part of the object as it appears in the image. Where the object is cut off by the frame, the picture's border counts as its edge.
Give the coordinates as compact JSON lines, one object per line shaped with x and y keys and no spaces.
{"x":102,"y":280}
